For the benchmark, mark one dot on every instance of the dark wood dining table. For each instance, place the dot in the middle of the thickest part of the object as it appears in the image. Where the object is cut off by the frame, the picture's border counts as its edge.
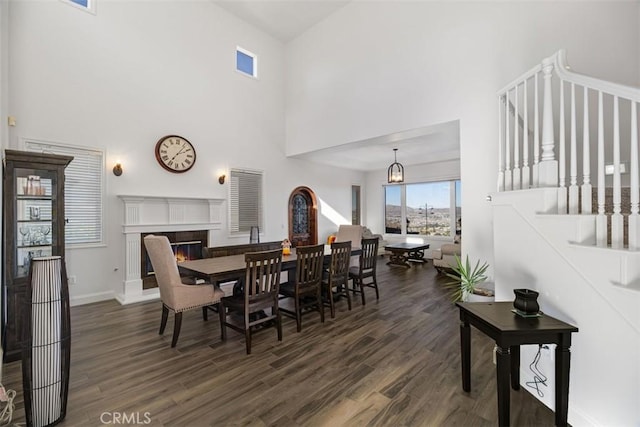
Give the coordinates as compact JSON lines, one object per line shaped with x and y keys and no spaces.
{"x":223,"y":269}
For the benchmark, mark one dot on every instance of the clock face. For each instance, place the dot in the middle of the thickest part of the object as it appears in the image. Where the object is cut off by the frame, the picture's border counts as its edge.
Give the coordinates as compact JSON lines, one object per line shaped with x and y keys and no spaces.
{"x":175,"y":153}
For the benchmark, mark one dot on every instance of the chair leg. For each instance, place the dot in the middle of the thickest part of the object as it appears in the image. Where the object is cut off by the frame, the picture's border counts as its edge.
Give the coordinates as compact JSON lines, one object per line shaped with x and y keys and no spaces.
{"x":320,"y":305}
{"x":278,"y":323}
{"x":176,"y":328}
{"x":375,"y":285}
{"x":298,"y":314}
{"x":247,"y":338}
{"x":163,"y":319}
{"x":205,"y":316}
{"x":348,"y":296}
{"x":332,"y":305}
{"x":223,"y":319}
{"x":362,"y":286}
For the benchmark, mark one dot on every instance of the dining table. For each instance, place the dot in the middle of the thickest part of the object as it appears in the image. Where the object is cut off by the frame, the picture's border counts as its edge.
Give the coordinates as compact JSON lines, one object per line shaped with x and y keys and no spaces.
{"x":218,"y":270}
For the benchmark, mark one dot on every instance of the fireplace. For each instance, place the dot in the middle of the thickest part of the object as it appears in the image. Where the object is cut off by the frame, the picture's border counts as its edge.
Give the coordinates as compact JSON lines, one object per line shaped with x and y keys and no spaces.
{"x":186,"y":245}
{"x":170,"y":216}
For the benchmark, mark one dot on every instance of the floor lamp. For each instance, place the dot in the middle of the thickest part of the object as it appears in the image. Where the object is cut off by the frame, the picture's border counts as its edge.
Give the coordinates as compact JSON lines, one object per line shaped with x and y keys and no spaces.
{"x":46,"y":341}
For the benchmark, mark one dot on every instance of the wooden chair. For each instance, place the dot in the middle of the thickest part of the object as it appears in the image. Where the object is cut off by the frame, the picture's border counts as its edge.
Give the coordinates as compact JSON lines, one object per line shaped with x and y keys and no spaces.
{"x":306,"y":288}
{"x":260,"y":292}
{"x":175,"y":295}
{"x":364,"y":275}
{"x":337,"y":281}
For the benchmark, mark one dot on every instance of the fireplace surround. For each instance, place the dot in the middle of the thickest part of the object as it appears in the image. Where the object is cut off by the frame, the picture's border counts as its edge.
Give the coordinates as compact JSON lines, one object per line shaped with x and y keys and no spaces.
{"x":151,"y":214}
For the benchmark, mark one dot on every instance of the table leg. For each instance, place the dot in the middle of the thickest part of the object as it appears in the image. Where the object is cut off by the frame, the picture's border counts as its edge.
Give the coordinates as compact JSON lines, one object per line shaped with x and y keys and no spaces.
{"x":502,"y":375}
{"x":398,"y":258}
{"x":515,"y":367}
{"x":465,"y":353}
{"x":563,"y":360}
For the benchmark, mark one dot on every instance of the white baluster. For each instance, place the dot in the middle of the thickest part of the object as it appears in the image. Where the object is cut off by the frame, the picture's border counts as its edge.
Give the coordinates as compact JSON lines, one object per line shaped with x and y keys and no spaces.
{"x":634,"y":221}
{"x":573,"y":160}
{"x":585,"y":189}
{"x":516,"y":144}
{"x":601,"y":218}
{"x":507,"y":147}
{"x":525,"y":136}
{"x":536,"y":132}
{"x":500,"y":142}
{"x":548,"y":168}
{"x":616,"y":217}
{"x":562,"y":158}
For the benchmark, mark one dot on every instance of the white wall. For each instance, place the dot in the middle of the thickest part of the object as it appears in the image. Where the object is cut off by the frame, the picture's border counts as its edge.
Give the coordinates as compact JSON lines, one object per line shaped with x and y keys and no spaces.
{"x":374,"y":68}
{"x":136,"y":71}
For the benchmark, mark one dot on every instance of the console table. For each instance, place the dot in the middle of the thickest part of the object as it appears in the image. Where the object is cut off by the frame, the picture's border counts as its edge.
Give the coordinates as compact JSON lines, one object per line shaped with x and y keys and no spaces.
{"x":509,"y":331}
{"x":403,"y":252}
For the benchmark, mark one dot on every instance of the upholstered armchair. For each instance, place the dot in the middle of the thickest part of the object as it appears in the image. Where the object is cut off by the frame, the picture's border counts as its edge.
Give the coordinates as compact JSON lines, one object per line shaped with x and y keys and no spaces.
{"x":444,"y":258}
{"x":175,"y":295}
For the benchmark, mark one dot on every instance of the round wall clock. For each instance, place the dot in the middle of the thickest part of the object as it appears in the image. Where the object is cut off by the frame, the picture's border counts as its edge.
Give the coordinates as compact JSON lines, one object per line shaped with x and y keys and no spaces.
{"x":175,"y":153}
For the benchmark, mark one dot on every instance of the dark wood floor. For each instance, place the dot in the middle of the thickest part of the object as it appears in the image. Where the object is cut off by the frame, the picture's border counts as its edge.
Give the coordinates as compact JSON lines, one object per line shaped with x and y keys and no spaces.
{"x":391,"y":363}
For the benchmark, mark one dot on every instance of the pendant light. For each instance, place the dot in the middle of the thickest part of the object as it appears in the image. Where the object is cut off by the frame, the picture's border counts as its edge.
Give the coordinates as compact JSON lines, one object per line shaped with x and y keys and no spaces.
{"x":395,"y":173}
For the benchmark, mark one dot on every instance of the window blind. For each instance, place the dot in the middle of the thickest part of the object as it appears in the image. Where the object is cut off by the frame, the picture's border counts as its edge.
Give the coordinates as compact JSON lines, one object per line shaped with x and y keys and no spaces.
{"x":83,"y":191}
{"x":245,"y":200}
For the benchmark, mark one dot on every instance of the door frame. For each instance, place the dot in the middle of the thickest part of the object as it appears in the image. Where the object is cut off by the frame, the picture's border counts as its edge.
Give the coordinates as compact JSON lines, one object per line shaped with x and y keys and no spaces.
{"x":313,"y":213}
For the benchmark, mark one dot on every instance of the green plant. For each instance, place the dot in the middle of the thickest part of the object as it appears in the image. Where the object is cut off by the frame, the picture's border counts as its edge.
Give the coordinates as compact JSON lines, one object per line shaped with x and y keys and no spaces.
{"x":466,"y":279}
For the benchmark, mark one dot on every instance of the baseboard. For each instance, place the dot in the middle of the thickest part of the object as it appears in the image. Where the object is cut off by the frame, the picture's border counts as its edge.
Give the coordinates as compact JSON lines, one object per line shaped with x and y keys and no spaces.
{"x":90,"y":298}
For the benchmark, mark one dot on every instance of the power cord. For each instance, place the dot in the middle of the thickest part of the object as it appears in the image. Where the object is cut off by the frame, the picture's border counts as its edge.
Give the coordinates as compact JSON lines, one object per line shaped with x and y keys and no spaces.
{"x":538,"y":376}
{"x":6,"y":415}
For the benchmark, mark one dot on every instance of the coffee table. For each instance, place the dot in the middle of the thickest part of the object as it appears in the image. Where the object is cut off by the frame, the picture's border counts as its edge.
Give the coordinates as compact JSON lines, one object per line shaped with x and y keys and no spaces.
{"x":403,"y":252}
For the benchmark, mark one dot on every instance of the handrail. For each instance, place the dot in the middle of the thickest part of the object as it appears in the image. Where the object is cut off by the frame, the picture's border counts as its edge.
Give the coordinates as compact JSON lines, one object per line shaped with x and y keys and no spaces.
{"x":563,"y":71}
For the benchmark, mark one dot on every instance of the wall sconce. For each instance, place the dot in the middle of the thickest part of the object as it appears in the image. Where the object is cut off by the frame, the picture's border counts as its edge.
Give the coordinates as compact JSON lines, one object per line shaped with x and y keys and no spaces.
{"x":117,"y":169}
{"x":221,"y":179}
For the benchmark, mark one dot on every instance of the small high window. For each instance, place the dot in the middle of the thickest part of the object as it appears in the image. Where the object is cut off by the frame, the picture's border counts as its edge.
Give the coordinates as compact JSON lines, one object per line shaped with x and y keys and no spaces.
{"x":86,"y":5}
{"x":246,"y":62}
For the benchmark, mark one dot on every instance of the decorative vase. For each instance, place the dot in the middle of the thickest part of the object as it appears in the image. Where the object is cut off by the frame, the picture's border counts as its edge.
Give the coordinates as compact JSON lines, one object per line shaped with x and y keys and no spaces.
{"x":526,"y":301}
{"x":46,"y":341}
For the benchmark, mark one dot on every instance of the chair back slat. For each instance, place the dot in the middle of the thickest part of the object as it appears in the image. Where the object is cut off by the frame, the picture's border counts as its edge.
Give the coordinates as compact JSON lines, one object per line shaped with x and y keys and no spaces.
{"x":340,"y":259}
{"x":368,"y":257}
{"x":309,"y":266}
{"x":262,"y":274}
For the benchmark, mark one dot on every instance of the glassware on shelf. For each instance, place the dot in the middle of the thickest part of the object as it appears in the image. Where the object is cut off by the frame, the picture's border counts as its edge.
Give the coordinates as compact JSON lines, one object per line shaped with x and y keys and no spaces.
{"x":24,"y":231}
{"x":45,"y":231}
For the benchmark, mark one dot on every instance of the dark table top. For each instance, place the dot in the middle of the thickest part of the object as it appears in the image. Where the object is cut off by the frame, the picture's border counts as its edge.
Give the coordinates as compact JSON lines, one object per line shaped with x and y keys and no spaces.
{"x":498,"y":315}
{"x":407,"y":246}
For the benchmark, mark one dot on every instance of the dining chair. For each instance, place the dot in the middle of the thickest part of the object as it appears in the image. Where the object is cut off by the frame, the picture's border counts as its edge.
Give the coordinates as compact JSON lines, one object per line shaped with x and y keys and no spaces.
{"x":364,"y":275}
{"x":259,"y":293}
{"x":175,"y":295}
{"x":335,"y":285}
{"x":305,"y":289}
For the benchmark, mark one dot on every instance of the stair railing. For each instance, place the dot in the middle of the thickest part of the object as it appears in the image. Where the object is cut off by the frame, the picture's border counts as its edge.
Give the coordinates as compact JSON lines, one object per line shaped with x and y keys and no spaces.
{"x":515,"y":106}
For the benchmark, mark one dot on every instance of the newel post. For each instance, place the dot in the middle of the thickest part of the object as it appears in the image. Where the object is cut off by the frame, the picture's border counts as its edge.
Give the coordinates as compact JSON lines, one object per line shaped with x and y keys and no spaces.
{"x":548,"y":168}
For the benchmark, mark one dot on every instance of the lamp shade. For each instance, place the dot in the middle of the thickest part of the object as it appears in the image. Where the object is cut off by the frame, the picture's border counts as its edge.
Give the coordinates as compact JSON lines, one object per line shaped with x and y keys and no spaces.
{"x":46,"y":341}
{"x":395,"y":173}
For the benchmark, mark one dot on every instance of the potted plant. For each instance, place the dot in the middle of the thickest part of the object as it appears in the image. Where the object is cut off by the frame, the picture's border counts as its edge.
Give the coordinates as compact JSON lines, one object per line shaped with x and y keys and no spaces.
{"x":467,"y":280}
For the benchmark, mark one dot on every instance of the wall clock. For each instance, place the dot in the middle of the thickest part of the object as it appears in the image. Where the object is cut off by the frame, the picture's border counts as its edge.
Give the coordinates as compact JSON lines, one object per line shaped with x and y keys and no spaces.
{"x":175,"y":153}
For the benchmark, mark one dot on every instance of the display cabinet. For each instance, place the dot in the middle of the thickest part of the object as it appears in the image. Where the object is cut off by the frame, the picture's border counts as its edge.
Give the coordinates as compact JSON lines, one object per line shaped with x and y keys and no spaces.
{"x":33,"y":212}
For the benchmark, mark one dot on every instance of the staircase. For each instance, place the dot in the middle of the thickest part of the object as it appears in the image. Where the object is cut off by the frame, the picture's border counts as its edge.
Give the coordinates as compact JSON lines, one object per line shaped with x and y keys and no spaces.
{"x":573,"y":234}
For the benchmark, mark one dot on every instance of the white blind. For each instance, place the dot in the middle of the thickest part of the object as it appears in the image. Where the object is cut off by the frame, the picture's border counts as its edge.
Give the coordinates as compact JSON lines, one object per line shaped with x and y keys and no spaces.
{"x":83,"y":191}
{"x":245,"y":200}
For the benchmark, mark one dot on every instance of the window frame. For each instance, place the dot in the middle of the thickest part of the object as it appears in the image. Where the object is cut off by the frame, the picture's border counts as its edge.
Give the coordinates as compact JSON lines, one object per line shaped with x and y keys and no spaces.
{"x":34,"y":145}
{"x":453,"y":216}
{"x":231,"y":205}
{"x":254,"y":58}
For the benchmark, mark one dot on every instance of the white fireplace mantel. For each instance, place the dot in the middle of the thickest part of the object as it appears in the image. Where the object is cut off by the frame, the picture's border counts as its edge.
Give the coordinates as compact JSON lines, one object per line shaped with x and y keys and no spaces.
{"x":150,"y":214}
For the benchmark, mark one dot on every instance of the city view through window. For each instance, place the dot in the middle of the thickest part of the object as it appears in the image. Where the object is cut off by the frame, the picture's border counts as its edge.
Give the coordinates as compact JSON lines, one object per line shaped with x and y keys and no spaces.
{"x":430,"y":208}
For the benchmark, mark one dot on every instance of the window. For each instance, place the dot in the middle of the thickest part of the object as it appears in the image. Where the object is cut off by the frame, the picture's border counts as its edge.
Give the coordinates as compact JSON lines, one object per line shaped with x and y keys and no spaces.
{"x":428,"y":209}
{"x":355,"y":205}
{"x":86,"y":5}
{"x":246,"y":62}
{"x":245,"y":201}
{"x":83,"y":190}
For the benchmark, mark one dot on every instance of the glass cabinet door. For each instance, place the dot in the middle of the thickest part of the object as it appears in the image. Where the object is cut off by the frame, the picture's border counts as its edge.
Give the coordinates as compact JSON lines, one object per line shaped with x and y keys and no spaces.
{"x":34,"y":232}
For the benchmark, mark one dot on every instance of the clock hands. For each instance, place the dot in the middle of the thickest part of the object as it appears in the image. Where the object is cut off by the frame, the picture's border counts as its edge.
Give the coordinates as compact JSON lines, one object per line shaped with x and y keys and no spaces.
{"x":176,"y":155}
